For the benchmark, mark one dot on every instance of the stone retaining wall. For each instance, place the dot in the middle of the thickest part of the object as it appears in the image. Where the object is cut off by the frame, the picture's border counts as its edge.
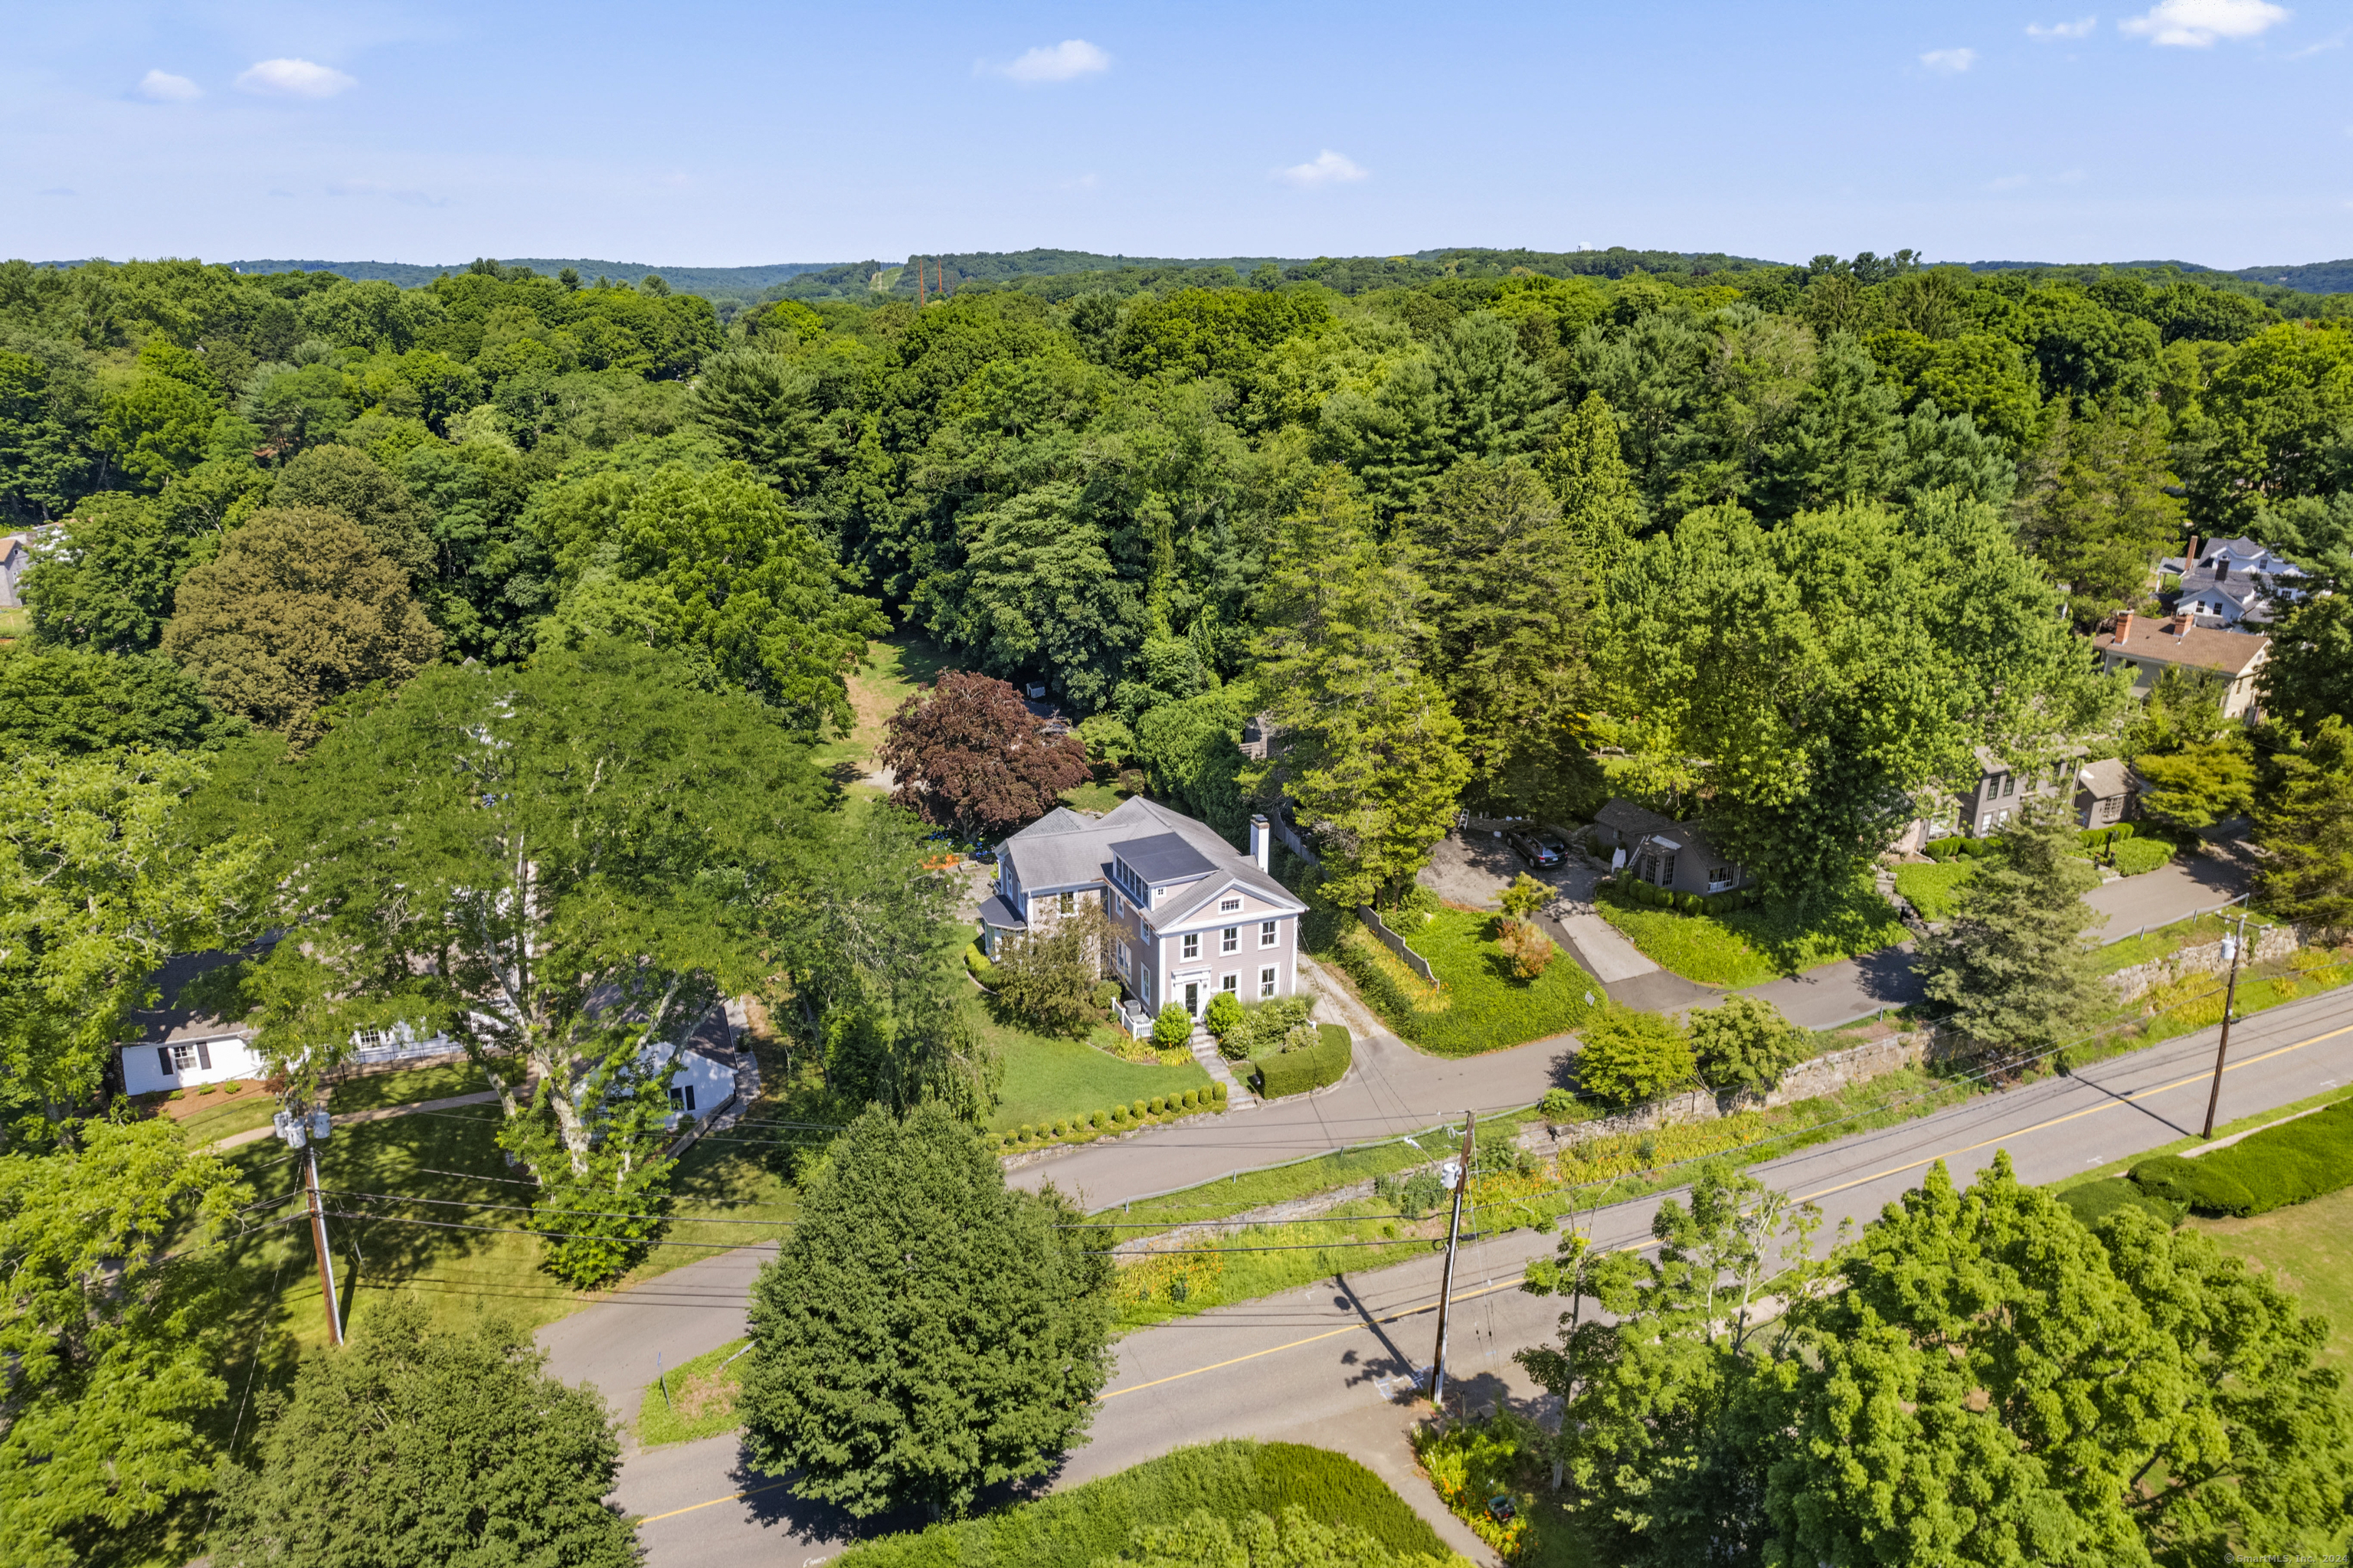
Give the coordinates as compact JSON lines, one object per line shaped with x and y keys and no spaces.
{"x":2271,"y":942}
{"x":1822,"y":1075}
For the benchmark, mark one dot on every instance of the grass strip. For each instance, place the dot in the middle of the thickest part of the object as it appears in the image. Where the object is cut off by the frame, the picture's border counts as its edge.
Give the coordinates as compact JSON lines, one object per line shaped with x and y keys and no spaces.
{"x":695,"y":1400}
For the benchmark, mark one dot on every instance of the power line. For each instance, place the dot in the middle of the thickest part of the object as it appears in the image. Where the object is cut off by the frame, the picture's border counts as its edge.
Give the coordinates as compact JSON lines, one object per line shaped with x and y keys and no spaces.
{"x":534,"y":1209}
{"x":548,"y":1236}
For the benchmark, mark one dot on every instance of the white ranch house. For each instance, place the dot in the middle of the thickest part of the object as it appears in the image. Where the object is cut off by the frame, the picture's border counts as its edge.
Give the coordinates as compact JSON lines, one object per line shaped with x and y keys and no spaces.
{"x":1190,"y":915}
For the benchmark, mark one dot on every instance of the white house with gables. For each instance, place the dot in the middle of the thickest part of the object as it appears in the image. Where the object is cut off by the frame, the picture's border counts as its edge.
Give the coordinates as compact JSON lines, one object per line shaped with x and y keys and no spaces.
{"x":1190,"y":915}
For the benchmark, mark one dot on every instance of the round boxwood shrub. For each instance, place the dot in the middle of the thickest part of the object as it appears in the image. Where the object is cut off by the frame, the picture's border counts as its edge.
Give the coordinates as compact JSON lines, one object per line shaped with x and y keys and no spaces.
{"x":1192,"y":1098}
{"x":1061,"y":1127}
{"x":1219,"y":1091}
{"x":1140,"y":1110}
{"x":1027,"y":1132}
{"x":1159,"y":1104}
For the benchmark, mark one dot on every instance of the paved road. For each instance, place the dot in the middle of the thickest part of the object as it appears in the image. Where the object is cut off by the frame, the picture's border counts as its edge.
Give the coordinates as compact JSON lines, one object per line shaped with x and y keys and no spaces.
{"x":1391,"y":1088}
{"x":1325,"y":1363}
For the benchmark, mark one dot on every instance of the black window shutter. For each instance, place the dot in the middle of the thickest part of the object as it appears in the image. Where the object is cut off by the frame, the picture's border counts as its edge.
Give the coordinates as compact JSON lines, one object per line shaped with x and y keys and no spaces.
{"x":689,"y":1096}
{"x":204,"y":1055}
{"x":163,"y":1054}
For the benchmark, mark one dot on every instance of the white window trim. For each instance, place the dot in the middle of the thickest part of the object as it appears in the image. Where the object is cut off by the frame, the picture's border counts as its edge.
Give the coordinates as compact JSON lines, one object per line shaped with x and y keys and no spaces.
{"x":1231,"y":985}
{"x":1269,"y":933}
{"x":1269,"y":979}
{"x":1189,"y":945}
{"x":1229,"y":941}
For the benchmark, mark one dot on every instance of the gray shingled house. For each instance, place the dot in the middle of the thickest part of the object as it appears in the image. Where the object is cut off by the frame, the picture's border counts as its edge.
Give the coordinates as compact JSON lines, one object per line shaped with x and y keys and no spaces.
{"x":1678,"y":856}
{"x":1190,"y":915}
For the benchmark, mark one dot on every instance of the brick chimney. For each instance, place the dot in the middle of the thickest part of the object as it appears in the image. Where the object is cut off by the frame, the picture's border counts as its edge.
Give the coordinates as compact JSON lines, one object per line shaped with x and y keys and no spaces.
{"x":2124,"y":627}
{"x":2189,"y":560}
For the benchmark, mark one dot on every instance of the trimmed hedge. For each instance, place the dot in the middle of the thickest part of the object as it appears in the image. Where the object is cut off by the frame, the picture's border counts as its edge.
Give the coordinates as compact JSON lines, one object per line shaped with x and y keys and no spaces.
{"x":1637,"y":894}
{"x":1231,"y":1479}
{"x":2095,"y":1200}
{"x":2288,"y":1163}
{"x":1296,"y":1072}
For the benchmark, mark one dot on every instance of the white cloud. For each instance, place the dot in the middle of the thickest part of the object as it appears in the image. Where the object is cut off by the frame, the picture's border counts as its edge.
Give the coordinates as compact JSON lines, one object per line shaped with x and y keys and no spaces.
{"x":2196,"y":24}
{"x":1950,"y":61}
{"x":2081,"y":29}
{"x":165,"y":88}
{"x":1328,"y":168}
{"x":295,"y":78}
{"x":1065,"y":61}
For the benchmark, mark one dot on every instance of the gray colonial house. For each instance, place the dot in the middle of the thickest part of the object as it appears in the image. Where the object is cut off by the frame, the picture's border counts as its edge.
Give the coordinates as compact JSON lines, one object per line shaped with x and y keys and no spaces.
{"x":1190,"y":915}
{"x":1677,"y":857}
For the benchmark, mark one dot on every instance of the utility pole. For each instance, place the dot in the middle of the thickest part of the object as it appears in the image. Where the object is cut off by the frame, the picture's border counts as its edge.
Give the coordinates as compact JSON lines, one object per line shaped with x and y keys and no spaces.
{"x":2230,"y":996}
{"x":304,"y":1131}
{"x":1453,"y":1238}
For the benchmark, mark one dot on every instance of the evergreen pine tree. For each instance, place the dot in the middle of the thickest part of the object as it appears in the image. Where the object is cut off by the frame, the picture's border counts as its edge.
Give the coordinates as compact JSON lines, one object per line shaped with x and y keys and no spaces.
{"x":1599,"y":504}
{"x":2093,"y":504}
{"x":2304,"y":821}
{"x":2012,"y":965}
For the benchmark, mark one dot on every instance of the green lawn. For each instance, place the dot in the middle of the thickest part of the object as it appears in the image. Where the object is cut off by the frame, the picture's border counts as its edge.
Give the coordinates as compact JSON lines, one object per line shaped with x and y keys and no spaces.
{"x":2307,"y":1248}
{"x":696,"y":1399}
{"x":1752,"y":946}
{"x":1046,"y":1077}
{"x":1094,"y":797}
{"x":1483,"y":1007}
{"x":892,"y":670}
{"x":408,"y":1086}
{"x":1931,"y":886}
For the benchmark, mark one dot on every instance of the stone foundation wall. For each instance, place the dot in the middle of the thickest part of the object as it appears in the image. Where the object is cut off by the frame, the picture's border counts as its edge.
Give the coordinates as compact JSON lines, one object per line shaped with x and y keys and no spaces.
{"x":2272,"y":942}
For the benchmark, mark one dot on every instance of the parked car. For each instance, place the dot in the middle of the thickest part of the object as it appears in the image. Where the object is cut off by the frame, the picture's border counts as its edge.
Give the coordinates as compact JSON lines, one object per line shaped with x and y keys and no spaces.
{"x":1543,"y":849}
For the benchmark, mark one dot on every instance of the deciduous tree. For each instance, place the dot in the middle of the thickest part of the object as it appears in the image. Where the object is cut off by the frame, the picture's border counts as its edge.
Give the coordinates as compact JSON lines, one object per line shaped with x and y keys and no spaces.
{"x":418,"y":1444}
{"x":97,"y":887}
{"x":1629,"y":1058}
{"x":714,"y":566}
{"x":73,"y":703}
{"x":967,"y":754}
{"x":111,"y":1342}
{"x":925,"y":1331}
{"x":298,"y":609}
{"x":1743,"y":1042}
{"x":347,"y":482}
{"x":561,"y":868}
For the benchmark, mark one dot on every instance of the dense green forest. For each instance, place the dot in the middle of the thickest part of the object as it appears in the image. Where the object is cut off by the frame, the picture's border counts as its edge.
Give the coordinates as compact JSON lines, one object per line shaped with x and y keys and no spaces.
{"x":1791,"y":538}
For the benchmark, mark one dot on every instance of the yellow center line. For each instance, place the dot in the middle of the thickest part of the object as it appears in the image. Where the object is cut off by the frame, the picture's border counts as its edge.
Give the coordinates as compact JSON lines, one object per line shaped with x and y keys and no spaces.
{"x":2202,"y":1076}
{"x":714,"y":1502}
{"x":1431,"y":1306}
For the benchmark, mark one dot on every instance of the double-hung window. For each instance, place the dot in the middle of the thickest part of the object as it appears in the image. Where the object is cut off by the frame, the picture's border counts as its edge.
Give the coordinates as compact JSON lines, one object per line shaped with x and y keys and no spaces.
{"x":681,"y":1098}
{"x":1192,"y":944}
{"x":1231,"y":985}
{"x":1069,"y":903}
{"x":1266,"y":981}
{"x":1266,"y":934}
{"x":1229,"y":941}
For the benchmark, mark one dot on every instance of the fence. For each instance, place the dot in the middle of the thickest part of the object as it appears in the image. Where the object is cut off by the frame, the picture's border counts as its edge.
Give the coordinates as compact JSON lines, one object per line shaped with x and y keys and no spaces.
{"x":1396,"y":944}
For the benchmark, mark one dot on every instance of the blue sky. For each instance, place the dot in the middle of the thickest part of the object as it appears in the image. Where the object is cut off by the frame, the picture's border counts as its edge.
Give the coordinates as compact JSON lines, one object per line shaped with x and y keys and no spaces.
{"x":2216,"y":130}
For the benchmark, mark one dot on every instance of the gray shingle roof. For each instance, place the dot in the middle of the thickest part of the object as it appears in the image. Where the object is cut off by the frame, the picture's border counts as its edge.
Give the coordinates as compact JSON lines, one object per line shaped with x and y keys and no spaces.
{"x":1063,"y":849}
{"x":1163,"y":857}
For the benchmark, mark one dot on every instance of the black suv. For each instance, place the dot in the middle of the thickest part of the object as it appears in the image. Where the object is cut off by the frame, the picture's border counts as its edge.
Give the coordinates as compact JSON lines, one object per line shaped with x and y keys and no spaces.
{"x":1543,"y":849}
